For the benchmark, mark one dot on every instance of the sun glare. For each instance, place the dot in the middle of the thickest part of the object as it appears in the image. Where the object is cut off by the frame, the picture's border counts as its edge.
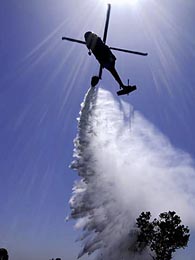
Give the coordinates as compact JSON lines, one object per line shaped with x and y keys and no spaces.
{"x":120,"y":2}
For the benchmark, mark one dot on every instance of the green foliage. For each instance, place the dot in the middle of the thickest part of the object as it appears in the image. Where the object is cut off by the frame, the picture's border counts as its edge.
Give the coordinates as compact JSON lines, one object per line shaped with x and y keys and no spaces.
{"x":3,"y":254}
{"x":163,"y":235}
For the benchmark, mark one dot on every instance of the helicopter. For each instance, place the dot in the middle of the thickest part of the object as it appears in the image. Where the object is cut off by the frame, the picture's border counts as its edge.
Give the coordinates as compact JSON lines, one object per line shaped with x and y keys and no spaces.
{"x":104,"y":56}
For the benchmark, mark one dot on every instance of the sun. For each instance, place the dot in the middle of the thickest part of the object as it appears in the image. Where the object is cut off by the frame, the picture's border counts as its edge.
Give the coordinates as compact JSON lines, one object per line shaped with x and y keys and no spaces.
{"x":121,"y":2}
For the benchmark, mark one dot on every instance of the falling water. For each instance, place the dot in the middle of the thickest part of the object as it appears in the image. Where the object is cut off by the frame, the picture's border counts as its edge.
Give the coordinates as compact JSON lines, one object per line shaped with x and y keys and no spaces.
{"x":126,"y":166}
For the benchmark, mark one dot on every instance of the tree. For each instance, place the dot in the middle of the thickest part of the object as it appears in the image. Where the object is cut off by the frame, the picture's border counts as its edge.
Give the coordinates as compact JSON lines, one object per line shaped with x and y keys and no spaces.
{"x":163,"y":235}
{"x":3,"y":254}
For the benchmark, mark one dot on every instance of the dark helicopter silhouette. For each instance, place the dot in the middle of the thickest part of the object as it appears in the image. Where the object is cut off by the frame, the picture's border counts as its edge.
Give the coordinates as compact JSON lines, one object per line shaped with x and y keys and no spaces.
{"x":104,"y":55}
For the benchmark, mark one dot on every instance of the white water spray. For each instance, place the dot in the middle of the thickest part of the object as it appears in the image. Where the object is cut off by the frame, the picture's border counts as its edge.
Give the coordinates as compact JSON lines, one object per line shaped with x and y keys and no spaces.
{"x":125,"y":169}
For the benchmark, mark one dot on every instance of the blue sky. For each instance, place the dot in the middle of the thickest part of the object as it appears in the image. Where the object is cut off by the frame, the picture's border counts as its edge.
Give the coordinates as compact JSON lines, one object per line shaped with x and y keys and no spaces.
{"x":43,"y":81}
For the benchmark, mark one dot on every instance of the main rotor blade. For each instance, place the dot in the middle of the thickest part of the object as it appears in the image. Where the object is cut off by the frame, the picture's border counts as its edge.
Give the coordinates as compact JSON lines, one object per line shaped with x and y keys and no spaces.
{"x":73,"y":40}
{"x":106,"y":24}
{"x":128,"y":51}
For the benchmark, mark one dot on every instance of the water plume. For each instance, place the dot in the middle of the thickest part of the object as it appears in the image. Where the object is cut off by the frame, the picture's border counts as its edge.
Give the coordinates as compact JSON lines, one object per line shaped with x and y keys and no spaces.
{"x":126,"y":166}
